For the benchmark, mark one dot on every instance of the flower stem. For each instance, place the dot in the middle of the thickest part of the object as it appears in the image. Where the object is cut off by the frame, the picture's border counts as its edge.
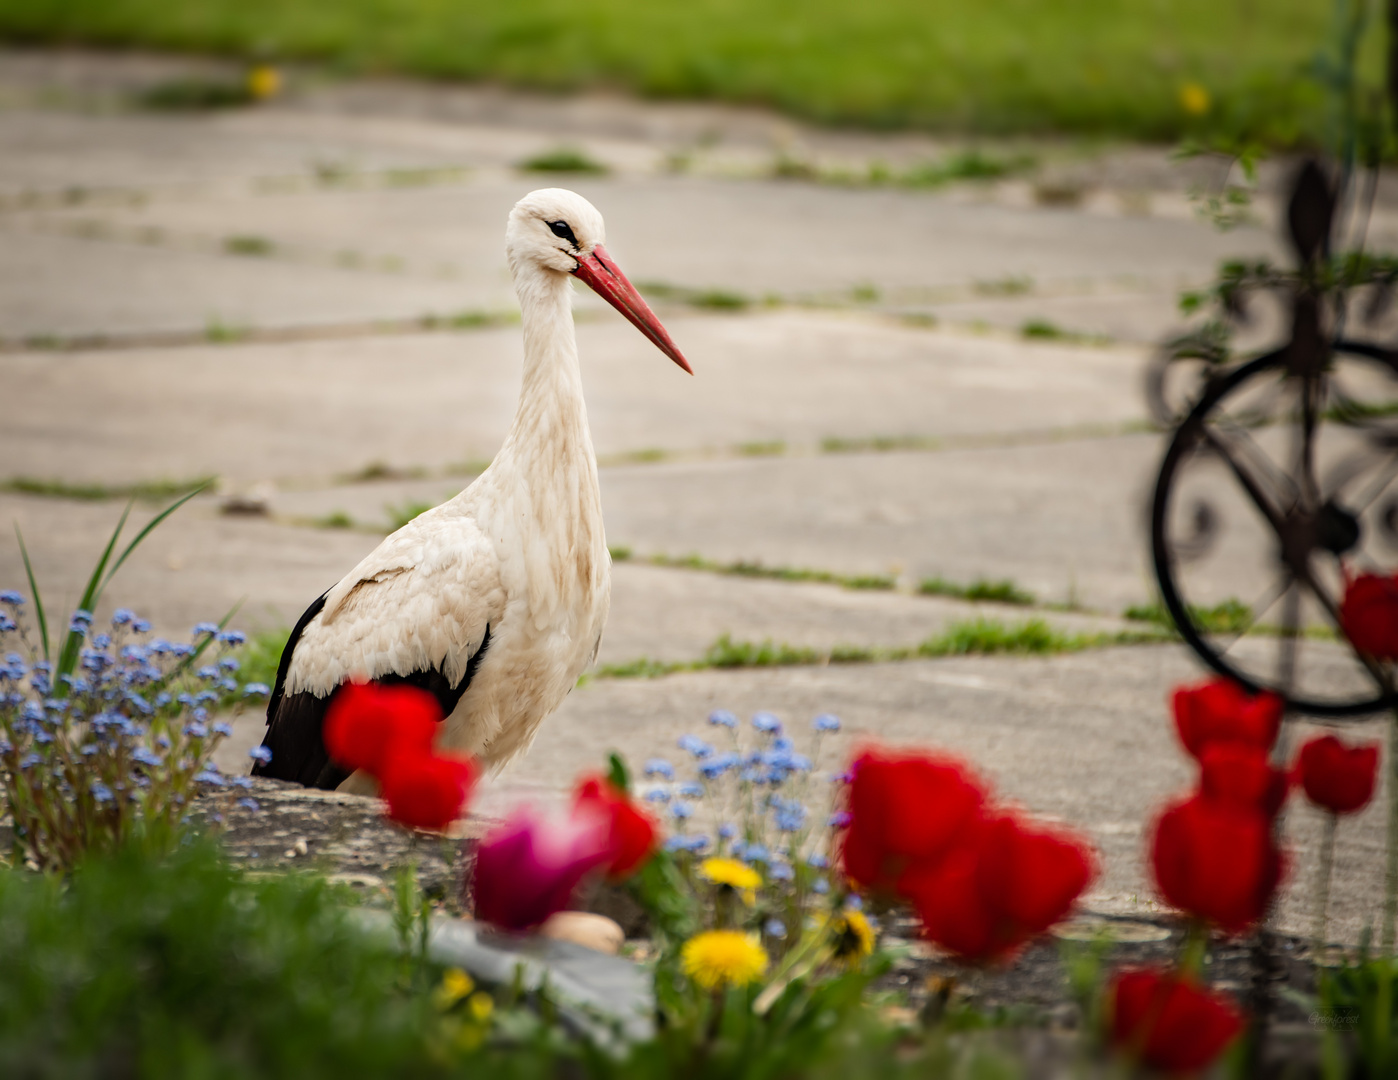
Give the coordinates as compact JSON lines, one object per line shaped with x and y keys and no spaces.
{"x":1322,"y":888}
{"x":1390,"y":890}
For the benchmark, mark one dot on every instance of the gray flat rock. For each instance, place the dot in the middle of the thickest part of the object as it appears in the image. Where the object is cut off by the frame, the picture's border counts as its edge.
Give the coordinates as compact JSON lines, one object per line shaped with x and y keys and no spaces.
{"x":254,"y":412}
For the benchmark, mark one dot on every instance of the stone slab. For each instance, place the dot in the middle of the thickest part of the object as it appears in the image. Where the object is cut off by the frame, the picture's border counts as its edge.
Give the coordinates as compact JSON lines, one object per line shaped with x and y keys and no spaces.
{"x":64,"y":286}
{"x":751,"y":236}
{"x":198,"y":564}
{"x":273,"y":411}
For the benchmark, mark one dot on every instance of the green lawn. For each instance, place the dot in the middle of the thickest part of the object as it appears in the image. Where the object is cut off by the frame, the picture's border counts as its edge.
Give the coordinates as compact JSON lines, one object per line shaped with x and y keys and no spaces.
{"x":1117,"y":67}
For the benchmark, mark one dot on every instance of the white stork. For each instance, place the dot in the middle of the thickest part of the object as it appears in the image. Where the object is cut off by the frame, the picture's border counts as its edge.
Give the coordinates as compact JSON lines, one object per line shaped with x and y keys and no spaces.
{"x":493,"y":601}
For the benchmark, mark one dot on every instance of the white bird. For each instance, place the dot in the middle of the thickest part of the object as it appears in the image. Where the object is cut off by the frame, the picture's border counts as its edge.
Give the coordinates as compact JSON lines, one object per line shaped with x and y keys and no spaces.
{"x":494,"y":601}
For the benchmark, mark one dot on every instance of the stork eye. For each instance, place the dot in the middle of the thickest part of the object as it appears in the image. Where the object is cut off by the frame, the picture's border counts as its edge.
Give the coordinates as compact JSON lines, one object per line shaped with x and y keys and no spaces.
{"x":562,"y":230}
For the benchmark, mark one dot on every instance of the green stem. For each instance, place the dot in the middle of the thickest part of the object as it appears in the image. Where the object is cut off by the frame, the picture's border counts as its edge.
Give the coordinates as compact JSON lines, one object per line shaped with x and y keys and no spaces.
{"x":1196,"y":944}
{"x":1390,"y":892}
{"x":1322,"y":888}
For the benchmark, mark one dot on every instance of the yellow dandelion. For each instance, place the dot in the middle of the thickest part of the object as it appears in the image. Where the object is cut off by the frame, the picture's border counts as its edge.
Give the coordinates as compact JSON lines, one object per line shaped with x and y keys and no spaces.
{"x":730,"y":872}
{"x":455,"y":985}
{"x":853,"y":936}
{"x":1194,"y":99}
{"x":264,"y":81}
{"x":723,"y":958}
{"x":481,"y":1006}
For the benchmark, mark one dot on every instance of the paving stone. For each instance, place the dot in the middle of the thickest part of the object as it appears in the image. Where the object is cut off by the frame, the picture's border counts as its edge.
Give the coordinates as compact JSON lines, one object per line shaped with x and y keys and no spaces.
{"x":55,"y":286}
{"x":272,"y":411}
{"x":758,"y":235}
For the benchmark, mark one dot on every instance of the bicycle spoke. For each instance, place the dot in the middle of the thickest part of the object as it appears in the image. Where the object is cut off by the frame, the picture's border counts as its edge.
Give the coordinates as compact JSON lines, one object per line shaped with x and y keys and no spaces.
{"x":1271,"y":594}
{"x":1262,"y":458}
{"x":1249,"y":483}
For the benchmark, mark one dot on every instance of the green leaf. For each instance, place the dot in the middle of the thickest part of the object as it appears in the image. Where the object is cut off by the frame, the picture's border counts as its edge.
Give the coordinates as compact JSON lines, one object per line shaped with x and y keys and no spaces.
{"x":617,"y":773}
{"x":68,"y":658}
{"x":146,"y":532}
{"x":34,"y":588}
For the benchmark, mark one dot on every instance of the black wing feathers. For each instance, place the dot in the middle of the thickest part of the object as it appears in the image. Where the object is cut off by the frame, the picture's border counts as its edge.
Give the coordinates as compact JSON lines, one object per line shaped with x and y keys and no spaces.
{"x":294,"y":721}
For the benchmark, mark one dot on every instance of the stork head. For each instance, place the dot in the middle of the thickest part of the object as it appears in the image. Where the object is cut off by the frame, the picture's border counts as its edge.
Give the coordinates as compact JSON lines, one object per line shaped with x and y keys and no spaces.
{"x":558,"y":231}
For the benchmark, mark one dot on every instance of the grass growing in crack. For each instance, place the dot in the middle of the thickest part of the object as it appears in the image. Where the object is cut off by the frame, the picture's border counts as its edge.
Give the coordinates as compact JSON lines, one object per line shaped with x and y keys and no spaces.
{"x":1001,"y":592}
{"x":398,"y":516}
{"x":1044,"y":330}
{"x":619,"y":552}
{"x":218,"y":332}
{"x":563,"y":159}
{"x":776,"y":573}
{"x":879,"y":444}
{"x":336,"y":519}
{"x":989,"y":636}
{"x":1229,"y":617}
{"x":975,"y":637}
{"x":713,"y":299}
{"x":774,"y":448}
{"x":249,"y":245}
{"x":145,"y":490}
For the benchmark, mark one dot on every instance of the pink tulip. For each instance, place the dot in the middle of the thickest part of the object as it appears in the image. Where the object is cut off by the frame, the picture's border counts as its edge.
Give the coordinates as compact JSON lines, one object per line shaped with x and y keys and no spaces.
{"x":528,"y":866}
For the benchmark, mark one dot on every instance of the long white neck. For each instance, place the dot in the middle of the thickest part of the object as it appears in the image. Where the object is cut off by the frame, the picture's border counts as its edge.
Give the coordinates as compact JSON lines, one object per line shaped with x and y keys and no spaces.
{"x":551,"y":419}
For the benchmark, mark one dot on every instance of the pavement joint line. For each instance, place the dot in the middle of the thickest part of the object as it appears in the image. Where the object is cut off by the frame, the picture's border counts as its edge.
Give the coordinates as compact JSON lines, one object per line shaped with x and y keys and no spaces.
{"x":378,"y":473}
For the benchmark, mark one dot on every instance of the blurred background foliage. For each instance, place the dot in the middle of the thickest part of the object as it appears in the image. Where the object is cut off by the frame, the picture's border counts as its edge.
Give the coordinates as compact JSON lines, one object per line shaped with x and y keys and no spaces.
{"x":1144,"y":69}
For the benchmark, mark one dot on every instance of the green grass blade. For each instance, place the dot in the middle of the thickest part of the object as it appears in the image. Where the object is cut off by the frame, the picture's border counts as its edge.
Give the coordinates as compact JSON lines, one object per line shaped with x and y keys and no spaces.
{"x":34,"y":589}
{"x":68,"y":658}
{"x":146,"y":532}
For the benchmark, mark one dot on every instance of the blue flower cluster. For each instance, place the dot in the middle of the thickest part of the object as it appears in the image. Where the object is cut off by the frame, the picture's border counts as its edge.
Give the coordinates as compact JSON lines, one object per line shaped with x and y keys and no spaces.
{"x":755,"y":792}
{"x":116,"y":730}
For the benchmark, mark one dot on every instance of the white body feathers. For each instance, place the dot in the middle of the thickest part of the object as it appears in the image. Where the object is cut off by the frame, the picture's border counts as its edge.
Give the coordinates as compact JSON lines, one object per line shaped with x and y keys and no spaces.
{"x":521,"y":551}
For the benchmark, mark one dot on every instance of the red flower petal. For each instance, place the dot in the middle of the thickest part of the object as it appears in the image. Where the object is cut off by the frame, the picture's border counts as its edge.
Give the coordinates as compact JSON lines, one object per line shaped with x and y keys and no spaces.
{"x":1369,"y":615}
{"x":950,"y":907}
{"x":1336,"y":777}
{"x":631,"y":833}
{"x":1215,"y":861}
{"x":1169,"y":1022}
{"x":1222,"y":711}
{"x":1242,"y":776}
{"x":367,"y":724}
{"x":905,"y":808}
{"x":1032,"y":875}
{"x":427,"y":791}
{"x":528,"y":867}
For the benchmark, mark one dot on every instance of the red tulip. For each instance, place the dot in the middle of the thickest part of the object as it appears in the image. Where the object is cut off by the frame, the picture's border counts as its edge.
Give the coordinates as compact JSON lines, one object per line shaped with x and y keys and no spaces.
{"x":367,"y":724}
{"x":631,"y":836}
{"x":1242,"y":776}
{"x":905,"y":808}
{"x":528,"y":867}
{"x":1004,"y":883}
{"x":1369,"y":615}
{"x":1216,"y":861}
{"x":427,"y":791}
{"x":1169,"y":1022}
{"x":1221,"y":711}
{"x":1336,"y":777}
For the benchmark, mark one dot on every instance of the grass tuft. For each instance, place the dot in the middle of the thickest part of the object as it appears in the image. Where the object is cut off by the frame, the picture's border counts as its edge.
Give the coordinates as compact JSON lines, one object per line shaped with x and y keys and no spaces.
{"x":249,"y":245}
{"x":398,"y":516}
{"x":1000,"y":592}
{"x":564,"y":159}
{"x":145,"y":490}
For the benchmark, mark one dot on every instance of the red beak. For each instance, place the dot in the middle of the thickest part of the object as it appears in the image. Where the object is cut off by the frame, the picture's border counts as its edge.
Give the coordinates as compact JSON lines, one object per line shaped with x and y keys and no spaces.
{"x":608,"y":282}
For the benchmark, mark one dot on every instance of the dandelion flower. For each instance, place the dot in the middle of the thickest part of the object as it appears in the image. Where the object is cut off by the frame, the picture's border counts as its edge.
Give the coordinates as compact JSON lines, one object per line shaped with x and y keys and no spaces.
{"x":264,"y":81}
{"x":455,"y":985}
{"x":730,"y":872}
{"x":853,"y":936}
{"x":1194,"y":99}
{"x":481,"y":1006}
{"x":723,"y":958}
